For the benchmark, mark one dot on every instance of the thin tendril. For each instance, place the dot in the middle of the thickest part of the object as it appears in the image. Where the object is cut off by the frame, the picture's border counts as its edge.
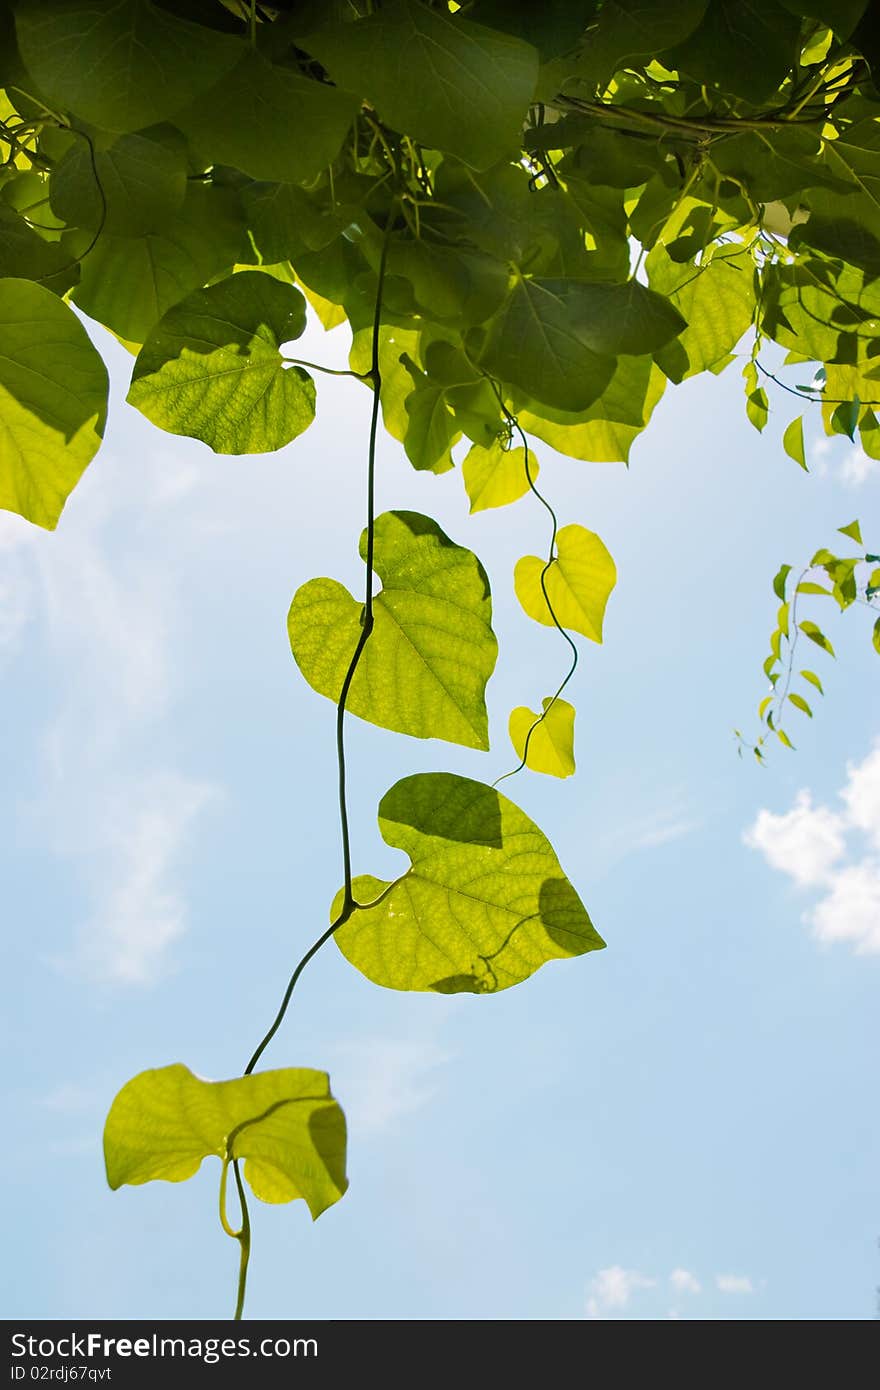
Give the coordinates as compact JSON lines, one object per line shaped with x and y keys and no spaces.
{"x":514,"y":424}
{"x":348,"y":903}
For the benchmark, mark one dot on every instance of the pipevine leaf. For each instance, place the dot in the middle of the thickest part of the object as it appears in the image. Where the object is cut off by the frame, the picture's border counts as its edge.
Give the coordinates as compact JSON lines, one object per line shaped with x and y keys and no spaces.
{"x":431,"y":429}
{"x":534,"y":343}
{"x":550,"y":743}
{"x":432,"y":650}
{"x":121,"y":66}
{"x":212,"y":367}
{"x":578,"y":583}
{"x":128,"y":283}
{"x":717,"y":300}
{"x":448,"y":83}
{"x":285,"y":1125}
{"x":814,"y":680}
{"x":269,"y":121}
{"x":143,"y":182}
{"x":604,"y":433}
{"x":496,"y":476}
{"x":876,"y":636}
{"x":484,"y":904}
{"x":25,"y":255}
{"x":53,"y":401}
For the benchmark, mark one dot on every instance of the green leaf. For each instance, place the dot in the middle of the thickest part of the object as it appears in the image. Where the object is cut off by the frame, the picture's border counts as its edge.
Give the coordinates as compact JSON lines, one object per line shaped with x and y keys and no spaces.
{"x":815,"y":634}
{"x":745,"y":47}
{"x":495,"y":476}
{"x":854,"y":531}
{"x":814,"y":680}
{"x":618,"y":320}
{"x":793,"y":442}
{"x":845,"y":419}
{"x":535,"y":343}
{"x":123,"y":65}
{"x":782,"y":619}
{"x":269,"y":122}
{"x":631,"y":29}
{"x":445,"y":81}
{"x":128,"y":283}
{"x":143,"y":182}
{"x":53,"y":401}
{"x":876,"y":637}
{"x":779,"y":581}
{"x":605,"y":432}
{"x":431,"y":429}
{"x":25,"y":255}
{"x":808,"y":587}
{"x":800,"y":703}
{"x":212,"y":367}
{"x":578,"y":583}
{"x":484,"y":904}
{"x":784,"y":739}
{"x":764,"y":705}
{"x":284,"y":1124}
{"x":550,"y":742}
{"x":717,"y":300}
{"x":432,"y":649}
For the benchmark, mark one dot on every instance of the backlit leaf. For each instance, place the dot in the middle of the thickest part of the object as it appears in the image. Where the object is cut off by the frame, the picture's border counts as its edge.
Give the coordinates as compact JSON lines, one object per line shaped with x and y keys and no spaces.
{"x":284,"y":1124}
{"x":793,"y":441}
{"x":212,"y":367}
{"x":550,"y":742}
{"x":432,"y":650}
{"x":496,"y":476}
{"x":53,"y":401}
{"x":578,"y":583}
{"x":815,"y":634}
{"x":484,"y":904}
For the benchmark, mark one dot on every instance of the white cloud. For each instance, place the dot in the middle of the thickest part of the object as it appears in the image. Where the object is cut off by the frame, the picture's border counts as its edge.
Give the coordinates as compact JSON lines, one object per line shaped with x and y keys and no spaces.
{"x":139,"y":908}
{"x":862,"y":795}
{"x":858,"y":467}
{"x":734,"y":1283}
{"x":684,"y":1282}
{"x":850,"y":911}
{"x":804,"y":843}
{"x":612,"y":1289}
{"x":382,"y":1079}
{"x":808,"y":842}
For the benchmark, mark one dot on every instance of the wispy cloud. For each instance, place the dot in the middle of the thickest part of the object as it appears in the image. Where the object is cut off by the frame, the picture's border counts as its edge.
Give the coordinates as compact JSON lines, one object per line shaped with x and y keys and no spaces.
{"x":809,"y":843}
{"x":383,"y":1079}
{"x":854,"y":467}
{"x":734,"y":1283}
{"x":120,"y":814}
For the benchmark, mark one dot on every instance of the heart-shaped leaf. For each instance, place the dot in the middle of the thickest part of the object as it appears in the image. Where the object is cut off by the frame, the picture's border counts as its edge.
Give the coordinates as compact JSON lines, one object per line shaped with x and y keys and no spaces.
{"x":285,"y":1124}
{"x":484,"y":904}
{"x":432,"y":650}
{"x":578,"y":583}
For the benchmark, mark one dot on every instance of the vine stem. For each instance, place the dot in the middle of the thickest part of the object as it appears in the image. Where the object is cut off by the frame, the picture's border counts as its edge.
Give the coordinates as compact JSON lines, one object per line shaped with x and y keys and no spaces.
{"x":514,"y":424}
{"x":348,"y":903}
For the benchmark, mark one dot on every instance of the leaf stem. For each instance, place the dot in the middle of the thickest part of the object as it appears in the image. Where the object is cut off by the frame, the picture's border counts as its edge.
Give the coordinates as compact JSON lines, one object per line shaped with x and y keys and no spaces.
{"x":244,"y":1240}
{"x":374,"y":375}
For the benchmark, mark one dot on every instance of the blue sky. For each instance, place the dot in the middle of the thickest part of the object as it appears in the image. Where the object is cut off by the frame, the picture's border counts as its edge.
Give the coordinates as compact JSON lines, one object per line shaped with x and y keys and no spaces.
{"x":684,"y":1125}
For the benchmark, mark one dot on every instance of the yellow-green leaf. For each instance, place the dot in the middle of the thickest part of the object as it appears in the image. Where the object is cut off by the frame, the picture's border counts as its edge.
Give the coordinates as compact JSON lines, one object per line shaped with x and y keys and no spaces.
{"x":793,"y":441}
{"x":854,"y":531}
{"x":432,"y":650}
{"x":484,"y":904}
{"x":53,"y":401}
{"x":284,"y":1124}
{"x":495,"y":476}
{"x":550,"y":742}
{"x":212,"y":367}
{"x":578,"y":583}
